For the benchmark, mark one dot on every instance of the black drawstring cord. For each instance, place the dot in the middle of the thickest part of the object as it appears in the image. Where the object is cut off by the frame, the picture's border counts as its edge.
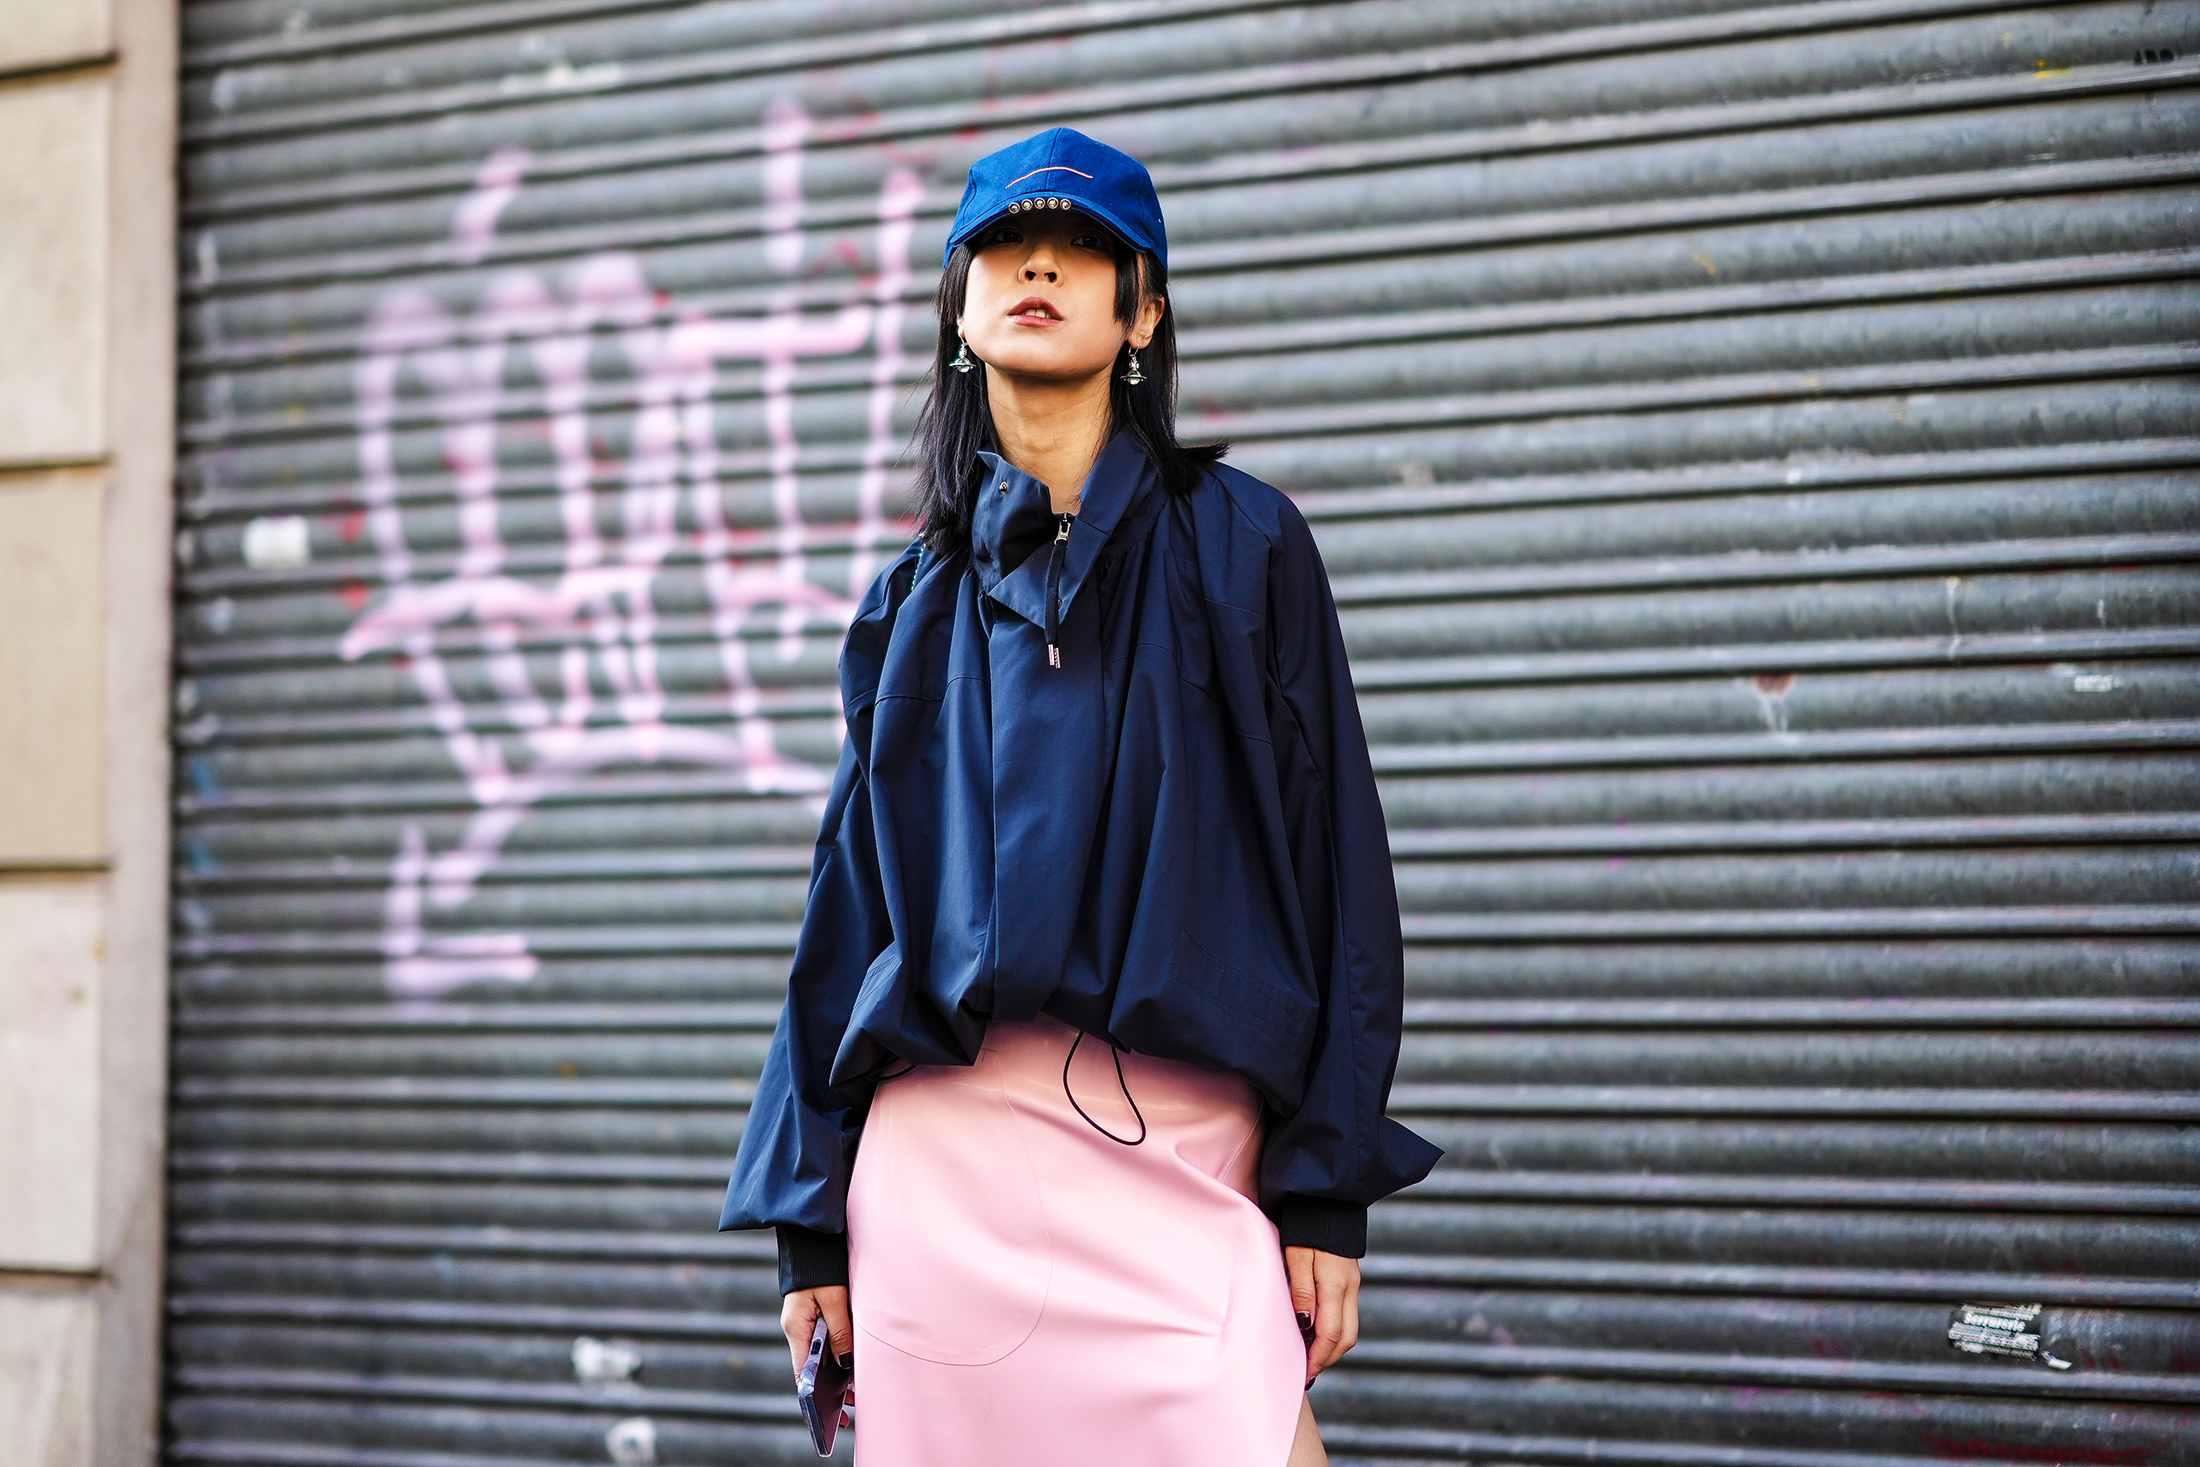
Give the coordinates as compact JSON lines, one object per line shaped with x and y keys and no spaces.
{"x":1054,"y":583}
{"x":1103,"y":1130}
{"x":877,"y":1072}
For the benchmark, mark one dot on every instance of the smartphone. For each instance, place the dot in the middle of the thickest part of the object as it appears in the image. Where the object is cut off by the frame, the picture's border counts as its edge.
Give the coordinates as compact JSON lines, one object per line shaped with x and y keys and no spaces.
{"x":822,"y":1389}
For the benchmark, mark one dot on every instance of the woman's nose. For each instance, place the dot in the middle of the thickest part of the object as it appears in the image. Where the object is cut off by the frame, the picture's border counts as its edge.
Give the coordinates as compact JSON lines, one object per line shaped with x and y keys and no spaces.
{"x":1033,"y":272}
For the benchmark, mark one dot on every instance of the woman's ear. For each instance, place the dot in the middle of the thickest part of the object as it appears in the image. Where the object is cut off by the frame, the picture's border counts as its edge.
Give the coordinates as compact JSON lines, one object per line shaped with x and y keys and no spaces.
{"x":1149,"y":320}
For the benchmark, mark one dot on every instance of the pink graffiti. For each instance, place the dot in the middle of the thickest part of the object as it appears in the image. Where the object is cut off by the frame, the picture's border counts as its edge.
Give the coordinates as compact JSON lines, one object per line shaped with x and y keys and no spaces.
{"x":474,"y":229}
{"x":422,"y":966}
{"x":599,"y":609}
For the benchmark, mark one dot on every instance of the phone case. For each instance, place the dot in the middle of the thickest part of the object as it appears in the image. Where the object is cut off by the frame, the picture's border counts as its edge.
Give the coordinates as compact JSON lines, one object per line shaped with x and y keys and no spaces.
{"x":822,"y":1390}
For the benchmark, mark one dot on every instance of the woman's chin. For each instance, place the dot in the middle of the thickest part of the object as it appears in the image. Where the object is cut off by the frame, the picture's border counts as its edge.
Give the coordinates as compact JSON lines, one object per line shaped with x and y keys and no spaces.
{"x":1024,"y":364}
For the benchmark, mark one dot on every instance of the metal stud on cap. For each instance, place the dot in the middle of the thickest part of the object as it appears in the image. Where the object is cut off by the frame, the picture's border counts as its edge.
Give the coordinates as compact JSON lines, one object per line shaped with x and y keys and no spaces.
{"x":1111,"y":186}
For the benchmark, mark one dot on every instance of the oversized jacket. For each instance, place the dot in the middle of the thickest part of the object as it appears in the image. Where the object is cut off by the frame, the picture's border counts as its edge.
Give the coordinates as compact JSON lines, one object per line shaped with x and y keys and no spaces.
{"x":1172,"y":841}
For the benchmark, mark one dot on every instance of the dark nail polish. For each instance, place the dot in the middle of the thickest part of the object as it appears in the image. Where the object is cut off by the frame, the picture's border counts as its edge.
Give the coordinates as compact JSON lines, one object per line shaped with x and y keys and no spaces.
{"x":1310,"y":1387}
{"x":847,"y":1360}
{"x":1306,"y":1326}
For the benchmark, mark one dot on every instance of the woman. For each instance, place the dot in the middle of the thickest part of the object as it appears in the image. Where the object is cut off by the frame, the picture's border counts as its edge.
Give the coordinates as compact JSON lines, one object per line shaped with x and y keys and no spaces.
{"x":1101,"y":960}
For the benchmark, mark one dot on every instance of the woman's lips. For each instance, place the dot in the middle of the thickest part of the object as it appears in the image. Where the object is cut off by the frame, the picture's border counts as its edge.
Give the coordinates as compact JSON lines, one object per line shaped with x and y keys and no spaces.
{"x":1034,"y":311}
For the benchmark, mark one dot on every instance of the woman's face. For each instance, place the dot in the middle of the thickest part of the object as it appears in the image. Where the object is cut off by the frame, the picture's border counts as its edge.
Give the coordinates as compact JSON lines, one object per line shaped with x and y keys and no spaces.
{"x":1041,"y":299}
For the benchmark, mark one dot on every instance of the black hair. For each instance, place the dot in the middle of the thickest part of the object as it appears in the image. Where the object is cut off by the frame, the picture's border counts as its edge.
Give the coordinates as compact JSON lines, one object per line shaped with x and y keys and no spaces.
{"x":957,"y":421}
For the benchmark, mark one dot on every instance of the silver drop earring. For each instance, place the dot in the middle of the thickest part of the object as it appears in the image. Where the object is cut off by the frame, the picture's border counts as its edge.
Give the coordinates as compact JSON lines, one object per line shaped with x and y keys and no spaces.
{"x":1133,"y":376}
{"x":963,"y":361}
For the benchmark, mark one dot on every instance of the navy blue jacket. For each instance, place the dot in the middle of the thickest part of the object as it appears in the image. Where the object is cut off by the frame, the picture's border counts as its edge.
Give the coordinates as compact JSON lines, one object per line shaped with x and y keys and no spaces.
{"x":1172,"y":841}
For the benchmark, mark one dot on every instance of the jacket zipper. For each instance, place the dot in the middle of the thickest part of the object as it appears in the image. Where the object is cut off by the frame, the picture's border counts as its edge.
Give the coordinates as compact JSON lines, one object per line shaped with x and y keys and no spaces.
{"x":1054,"y":582}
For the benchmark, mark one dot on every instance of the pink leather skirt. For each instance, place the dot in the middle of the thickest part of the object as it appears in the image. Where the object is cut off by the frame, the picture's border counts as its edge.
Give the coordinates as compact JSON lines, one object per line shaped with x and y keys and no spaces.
{"x":1028,"y":1291}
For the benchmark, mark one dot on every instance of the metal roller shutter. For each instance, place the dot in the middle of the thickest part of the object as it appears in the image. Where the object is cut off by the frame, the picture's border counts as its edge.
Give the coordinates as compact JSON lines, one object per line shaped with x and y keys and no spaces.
{"x":1755,"y":452}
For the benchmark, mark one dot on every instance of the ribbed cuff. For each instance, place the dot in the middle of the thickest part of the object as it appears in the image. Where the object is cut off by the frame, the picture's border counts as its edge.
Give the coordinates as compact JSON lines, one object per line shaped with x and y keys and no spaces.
{"x":809,"y":1260}
{"x":1323,"y":1223}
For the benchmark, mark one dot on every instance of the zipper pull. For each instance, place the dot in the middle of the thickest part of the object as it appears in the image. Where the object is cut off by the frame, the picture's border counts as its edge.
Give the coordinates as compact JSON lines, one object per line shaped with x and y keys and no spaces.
{"x":1054,"y":581}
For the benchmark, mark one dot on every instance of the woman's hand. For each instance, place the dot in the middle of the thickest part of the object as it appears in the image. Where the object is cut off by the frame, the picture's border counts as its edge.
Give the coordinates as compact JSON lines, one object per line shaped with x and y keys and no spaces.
{"x":1327,"y":1288}
{"x":798,"y":1314}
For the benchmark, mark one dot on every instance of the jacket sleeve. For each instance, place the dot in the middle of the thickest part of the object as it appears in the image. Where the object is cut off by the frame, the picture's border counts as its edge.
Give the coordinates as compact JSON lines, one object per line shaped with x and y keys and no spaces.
{"x":1338,"y":1152}
{"x":791,"y":1172}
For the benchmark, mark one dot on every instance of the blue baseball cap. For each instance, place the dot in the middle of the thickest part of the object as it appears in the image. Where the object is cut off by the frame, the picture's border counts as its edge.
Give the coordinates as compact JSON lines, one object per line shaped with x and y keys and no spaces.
{"x":1061,"y":168}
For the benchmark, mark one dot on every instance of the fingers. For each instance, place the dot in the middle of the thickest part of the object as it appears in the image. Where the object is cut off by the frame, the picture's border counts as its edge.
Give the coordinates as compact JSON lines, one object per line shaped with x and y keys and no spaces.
{"x":834,"y":1301}
{"x":1349,"y":1313}
{"x":1298,"y":1266}
{"x":1328,"y":1322}
{"x":798,"y":1314}
{"x":797,"y":1318}
{"x":1336,"y":1310}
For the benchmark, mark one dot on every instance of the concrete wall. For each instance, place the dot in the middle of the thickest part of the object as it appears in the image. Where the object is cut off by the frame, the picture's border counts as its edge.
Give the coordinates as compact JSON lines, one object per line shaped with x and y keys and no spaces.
{"x":87,"y":295}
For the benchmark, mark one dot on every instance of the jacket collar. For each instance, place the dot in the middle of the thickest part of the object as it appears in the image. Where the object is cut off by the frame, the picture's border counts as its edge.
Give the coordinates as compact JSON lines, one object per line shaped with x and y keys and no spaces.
{"x":1014,"y":517}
